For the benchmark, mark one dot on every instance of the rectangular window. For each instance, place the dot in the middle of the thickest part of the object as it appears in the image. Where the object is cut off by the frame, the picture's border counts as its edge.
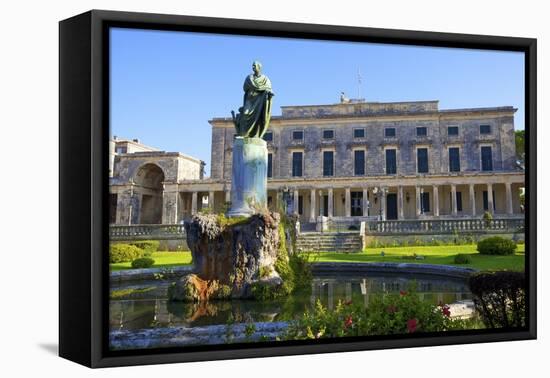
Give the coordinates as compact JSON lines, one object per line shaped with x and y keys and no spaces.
{"x":421,"y":131}
{"x":121,"y":150}
{"x":486,"y":201}
{"x":297,"y":158}
{"x":328,"y":134}
{"x":358,"y":133}
{"x":300,"y":205}
{"x":452,"y":130}
{"x":269,"y":165}
{"x":268,"y":137}
{"x":425,"y":199}
{"x":458,"y":201}
{"x":328,"y":163}
{"x":298,"y":135}
{"x":486,"y":158}
{"x":389,"y":132}
{"x":391,"y":162}
{"x":359,"y":162}
{"x":422,"y":160}
{"x":485,"y":129}
{"x":454,"y":159}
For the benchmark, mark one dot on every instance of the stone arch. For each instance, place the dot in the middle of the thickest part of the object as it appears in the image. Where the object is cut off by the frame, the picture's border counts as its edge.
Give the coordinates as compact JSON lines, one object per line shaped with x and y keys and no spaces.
{"x":148,"y":181}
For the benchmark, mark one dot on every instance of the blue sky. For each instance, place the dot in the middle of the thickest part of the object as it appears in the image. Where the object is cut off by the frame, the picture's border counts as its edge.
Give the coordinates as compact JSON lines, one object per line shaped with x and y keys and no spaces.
{"x":165,"y":86}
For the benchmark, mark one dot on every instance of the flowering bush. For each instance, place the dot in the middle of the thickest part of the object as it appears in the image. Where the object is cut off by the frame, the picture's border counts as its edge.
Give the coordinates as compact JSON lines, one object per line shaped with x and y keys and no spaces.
{"x":387,"y":314}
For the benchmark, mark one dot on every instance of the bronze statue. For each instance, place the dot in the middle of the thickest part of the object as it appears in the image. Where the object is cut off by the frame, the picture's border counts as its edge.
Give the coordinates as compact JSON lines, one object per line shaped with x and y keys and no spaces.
{"x":253,"y":118}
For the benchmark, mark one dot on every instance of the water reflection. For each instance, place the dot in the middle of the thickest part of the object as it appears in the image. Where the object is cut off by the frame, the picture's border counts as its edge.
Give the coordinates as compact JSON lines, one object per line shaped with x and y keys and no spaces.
{"x":156,"y":311}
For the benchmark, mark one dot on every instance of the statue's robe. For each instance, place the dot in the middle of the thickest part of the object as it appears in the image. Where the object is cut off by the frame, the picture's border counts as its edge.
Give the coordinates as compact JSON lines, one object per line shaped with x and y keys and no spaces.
{"x":255,"y":114}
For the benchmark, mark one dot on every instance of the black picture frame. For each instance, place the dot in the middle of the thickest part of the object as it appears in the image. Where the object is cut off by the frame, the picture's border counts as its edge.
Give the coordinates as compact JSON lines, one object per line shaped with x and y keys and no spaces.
{"x":83,"y":181}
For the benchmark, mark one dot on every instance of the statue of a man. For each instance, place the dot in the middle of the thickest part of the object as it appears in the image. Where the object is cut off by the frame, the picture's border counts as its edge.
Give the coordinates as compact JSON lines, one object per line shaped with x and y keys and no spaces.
{"x":253,"y":117}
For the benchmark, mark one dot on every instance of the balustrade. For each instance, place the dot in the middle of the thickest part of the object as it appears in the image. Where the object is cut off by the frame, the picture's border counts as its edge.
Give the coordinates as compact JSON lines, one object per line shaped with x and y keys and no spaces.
{"x":444,"y":226}
{"x":147,"y":231}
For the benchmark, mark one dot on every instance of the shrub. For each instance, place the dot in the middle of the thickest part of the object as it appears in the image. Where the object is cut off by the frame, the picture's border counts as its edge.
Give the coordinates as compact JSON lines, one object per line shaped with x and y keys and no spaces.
{"x":300,"y":265}
{"x":294,"y":270}
{"x":499,"y":298}
{"x":487,"y":218}
{"x":496,"y":246}
{"x":143,"y":262}
{"x":386,"y":315}
{"x":463,"y":258}
{"x":121,"y":252}
{"x":282,"y":264}
{"x":148,"y":246}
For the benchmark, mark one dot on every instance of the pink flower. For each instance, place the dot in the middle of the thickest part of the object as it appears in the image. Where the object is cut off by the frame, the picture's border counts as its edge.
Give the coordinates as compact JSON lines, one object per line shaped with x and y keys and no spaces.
{"x":446,"y":311}
{"x":349,"y":322}
{"x":411,"y":325}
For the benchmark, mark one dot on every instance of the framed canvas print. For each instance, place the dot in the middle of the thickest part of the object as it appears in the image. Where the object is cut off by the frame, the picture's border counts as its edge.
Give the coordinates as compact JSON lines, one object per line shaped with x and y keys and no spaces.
{"x":235,"y":188}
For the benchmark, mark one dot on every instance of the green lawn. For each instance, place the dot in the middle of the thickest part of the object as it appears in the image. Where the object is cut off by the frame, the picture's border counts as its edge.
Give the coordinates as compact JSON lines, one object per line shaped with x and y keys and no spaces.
{"x":441,"y":255}
{"x":162,"y":260}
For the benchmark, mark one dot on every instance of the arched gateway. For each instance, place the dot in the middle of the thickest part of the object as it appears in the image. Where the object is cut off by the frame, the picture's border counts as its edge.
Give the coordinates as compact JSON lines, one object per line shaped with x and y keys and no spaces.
{"x":148,"y":187}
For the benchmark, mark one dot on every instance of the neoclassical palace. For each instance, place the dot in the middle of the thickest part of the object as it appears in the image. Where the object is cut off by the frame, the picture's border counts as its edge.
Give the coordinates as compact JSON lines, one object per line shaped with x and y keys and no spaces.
{"x":354,"y":160}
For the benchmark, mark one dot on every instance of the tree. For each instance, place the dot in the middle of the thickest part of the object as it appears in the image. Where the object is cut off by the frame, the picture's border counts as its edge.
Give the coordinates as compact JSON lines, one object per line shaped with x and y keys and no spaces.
{"x":520,"y":146}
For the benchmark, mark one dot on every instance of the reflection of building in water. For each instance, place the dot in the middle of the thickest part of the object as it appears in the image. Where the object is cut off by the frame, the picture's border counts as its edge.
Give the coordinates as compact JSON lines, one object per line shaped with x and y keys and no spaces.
{"x":329,"y":291}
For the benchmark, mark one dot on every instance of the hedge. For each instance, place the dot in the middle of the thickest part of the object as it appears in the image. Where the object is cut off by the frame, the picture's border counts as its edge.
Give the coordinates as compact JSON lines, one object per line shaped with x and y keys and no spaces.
{"x":143,"y":262}
{"x":496,"y":246}
{"x":121,"y":252}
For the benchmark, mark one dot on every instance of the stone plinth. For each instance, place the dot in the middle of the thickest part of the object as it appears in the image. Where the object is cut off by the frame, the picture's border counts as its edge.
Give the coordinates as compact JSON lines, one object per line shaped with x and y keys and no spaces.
{"x":249,"y":176}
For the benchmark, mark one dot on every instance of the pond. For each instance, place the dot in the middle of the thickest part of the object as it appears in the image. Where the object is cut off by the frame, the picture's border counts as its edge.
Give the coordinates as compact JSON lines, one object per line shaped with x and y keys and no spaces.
{"x":148,"y":307}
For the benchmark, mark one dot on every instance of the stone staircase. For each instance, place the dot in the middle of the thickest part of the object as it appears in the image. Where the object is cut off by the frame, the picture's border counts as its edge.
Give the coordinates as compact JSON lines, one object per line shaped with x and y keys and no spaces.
{"x":329,"y":242}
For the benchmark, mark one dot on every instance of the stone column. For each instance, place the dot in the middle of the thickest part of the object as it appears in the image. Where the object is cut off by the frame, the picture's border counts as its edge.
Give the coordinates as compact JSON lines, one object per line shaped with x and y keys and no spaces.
{"x":472,"y":200}
{"x":194,"y":201}
{"x":490,"y":198}
{"x":365,"y":202}
{"x":453,"y":200}
{"x":170,"y":204}
{"x":295,"y":202}
{"x":509,"y":205}
{"x":400,"y":205}
{"x":383,"y":204}
{"x":312,"y":211}
{"x":124,"y":207}
{"x":330,"y":203}
{"x":228,"y":195}
{"x":211,"y":199}
{"x":436,"y":200}
{"x":348,"y":202}
{"x":418,"y":202}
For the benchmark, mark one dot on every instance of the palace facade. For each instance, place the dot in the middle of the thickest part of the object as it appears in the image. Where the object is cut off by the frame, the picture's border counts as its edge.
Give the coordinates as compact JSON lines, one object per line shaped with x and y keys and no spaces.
{"x":352,"y":160}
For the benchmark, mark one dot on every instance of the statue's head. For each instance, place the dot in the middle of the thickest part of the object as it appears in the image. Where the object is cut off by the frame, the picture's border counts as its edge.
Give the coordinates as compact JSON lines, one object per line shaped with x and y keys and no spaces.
{"x":256,"y":67}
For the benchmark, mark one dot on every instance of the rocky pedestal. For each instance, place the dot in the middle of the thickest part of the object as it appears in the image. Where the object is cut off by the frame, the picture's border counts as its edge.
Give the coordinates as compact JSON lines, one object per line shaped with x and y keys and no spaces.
{"x":249,"y":176}
{"x":231,"y":257}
